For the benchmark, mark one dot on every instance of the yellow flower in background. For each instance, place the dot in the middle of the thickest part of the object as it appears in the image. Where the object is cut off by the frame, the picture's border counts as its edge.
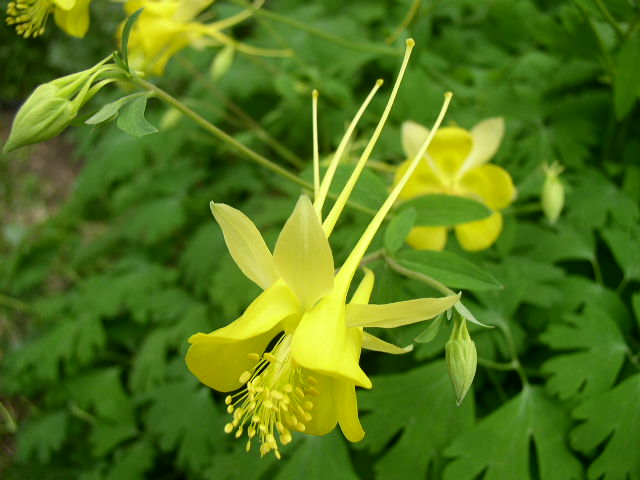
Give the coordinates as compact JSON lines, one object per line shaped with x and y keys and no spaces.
{"x":456,"y":164}
{"x":30,"y":16}
{"x":306,"y":380}
{"x":166,"y":27}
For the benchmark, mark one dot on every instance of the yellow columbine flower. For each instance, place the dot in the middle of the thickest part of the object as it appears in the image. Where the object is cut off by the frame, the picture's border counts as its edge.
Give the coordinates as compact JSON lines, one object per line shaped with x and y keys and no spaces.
{"x":306,"y":381}
{"x":167,"y":26}
{"x":30,"y":16}
{"x":456,"y":164}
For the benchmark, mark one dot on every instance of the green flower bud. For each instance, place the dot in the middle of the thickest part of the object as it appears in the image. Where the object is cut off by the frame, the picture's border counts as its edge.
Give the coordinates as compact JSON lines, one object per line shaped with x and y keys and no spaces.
{"x":552,"y":198}
{"x":44,"y":115}
{"x":460,"y":352}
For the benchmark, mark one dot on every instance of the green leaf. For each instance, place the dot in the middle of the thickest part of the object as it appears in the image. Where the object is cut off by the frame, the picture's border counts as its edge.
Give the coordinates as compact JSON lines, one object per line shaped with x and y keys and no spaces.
{"x":126,"y":31}
{"x":448,"y":268}
{"x":193,"y":430}
{"x":624,"y":243}
{"x":501,"y":444}
{"x":446,"y":210}
{"x":611,"y":421}
{"x":595,"y":353}
{"x":398,"y":229}
{"x":110,"y":111}
{"x":626,"y":86}
{"x":319,"y":458}
{"x":131,"y":119}
{"x":419,"y":405}
{"x":635,"y":303}
{"x":42,"y":436}
{"x":154,"y":220}
{"x":432,"y":330}
{"x":132,"y":462}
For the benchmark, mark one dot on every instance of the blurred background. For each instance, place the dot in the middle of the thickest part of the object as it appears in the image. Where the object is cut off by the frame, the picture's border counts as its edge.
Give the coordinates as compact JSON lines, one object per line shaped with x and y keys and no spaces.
{"x":110,"y":258}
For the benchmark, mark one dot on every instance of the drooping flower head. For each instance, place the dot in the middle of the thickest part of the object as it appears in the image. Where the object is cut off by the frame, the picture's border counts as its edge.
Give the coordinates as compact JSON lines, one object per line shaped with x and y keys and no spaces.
{"x":306,"y":380}
{"x":166,"y":27}
{"x":456,"y":163}
{"x":30,"y":16}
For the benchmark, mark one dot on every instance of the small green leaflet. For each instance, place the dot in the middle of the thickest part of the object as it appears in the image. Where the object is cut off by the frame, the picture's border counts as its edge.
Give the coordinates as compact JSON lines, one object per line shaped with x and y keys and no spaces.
{"x":131,"y":119}
{"x":624,"y":243}
{"x":126,"y":31}
{"x":432,"y":330}
{"x":420,"y":404}
{"x":42,"y":435}
{"x":626,"y":86}
{"x":611,"y":418}
{"x":398,"y":229}
{"x":448,"y":268}
{"x":132,"y":462}
{"x":500,"y":445}
{"x":595,"y":353}
{"x":110,"y":111}
{"x":318,"y":458}
{"x":446,"y":210}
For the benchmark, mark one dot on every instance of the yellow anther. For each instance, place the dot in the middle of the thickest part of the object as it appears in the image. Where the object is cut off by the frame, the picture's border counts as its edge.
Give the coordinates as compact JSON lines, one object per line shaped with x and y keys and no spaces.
{"x":292,"y":419}
{"x":300,"y":427}
{"x":268,"y":404}
{"x":230,"y":409}
{"x":287,"y":388}
{"x":277,"y":454}
{"x":270,"y":357}
{"x":286,"y":438}
{"x":300,"y":410}
{"x":245,"y":377}
{"x":312,"y":380}
{"x":248,"y":446}
{"x":308,"y":405}
{"x":299,"y":392}
{"x":277,"y":395}
{"x":271,"y":440}
{"x":251,"y":432}
{"x":228,"y":428}
{"x":228,"y":400}
{"x":264,"y":449}
{"x":239,"y":432}
{"x":307,"y":417}
{"x":255,"y":419}
{"x":280,"y":427}
{"x":379,"y":82}
{"x":262,"y":427}
{"x":313,"y":391}
{"x":253,"y":356}
{"x":411,"y":43}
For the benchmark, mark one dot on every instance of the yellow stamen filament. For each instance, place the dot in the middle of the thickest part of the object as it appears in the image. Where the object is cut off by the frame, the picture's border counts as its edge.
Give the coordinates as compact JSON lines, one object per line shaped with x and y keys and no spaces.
{"x":29,"y":16}
{"x":275,"y":400}
{"x":335,"y":212}
{"x":328,"y":177}
{"x":316,"y":152}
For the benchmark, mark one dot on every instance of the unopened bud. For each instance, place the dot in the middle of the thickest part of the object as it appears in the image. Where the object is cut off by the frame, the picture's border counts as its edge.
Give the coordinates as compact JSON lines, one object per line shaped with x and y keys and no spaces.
{"x":552,"y":198}
{"x":460,"y":352}
{"x":44,"y":115}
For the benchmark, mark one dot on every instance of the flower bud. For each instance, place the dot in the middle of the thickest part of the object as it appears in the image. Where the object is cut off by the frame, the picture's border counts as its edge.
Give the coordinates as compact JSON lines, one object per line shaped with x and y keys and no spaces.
{"x":460,"y":352}
{"x":44,"y":115}
{"x":552,"y":198}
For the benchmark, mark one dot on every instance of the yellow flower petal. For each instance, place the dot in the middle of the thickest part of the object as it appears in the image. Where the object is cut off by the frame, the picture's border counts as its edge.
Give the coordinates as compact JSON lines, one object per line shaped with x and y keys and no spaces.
{"x":487,"y":136}
{"x":347,"y":410}
{"x":424,"y":180}
{"x":413,"y":136}
{"x":324,"y":344}
{"x":427,"y":238}
{"x":64,"y":4}
{"x":489,"y":184}
{"x":323,"y":413}
{"x":363,"y":292}
{"x":303,"y":256}
{"x":371,"y":342}
{"x":245,"y":245}
{"x":448,"y":151}
{"x":392,"y":315}
{"x":218,"y":364}
{"x":481,"y":234}
{"x":271,"y":307}
{"x":74,"y":21}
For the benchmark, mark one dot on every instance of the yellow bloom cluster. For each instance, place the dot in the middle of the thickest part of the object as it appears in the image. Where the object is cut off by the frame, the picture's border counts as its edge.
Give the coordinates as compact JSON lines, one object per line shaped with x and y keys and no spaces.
{"x":456,"y":163}
{"x":305,"y":381}
{"x":166,"y":27}
{"x":30,"y":16}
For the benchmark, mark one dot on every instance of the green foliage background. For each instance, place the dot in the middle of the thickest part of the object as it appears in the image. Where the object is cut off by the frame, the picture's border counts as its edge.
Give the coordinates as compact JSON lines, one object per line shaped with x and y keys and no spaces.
{"x":111,"y":287}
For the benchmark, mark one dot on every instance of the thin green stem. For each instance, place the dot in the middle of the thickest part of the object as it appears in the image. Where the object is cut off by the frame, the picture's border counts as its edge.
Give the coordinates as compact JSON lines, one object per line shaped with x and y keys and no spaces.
{"x":8,"y":418}
{"x":406,"y":21}
{"x":421,"y":277}
{"x":221,"y":135}
{"x":14,"y":303}
{"x":633,"y":25}
{"x":485,"y":362}
{"x":609,"y":18}
{"x":372,"y":257}
{"x":597,"y":272}
{"x":513,"y":352}
{"x":366,"y":47}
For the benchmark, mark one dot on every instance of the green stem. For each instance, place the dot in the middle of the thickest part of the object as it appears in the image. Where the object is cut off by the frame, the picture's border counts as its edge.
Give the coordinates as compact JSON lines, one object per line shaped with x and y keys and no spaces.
{"x":421,"y":277}
{"x":14,"y":303}
{"x":9,"y":420}
{"x":372,"y":257}
{"x":513,"y":352}
{"x":609,"y":18}
{"x":220,"y":134}
{"x":485,"y":362}
{"x":406,"y":21}
{"x":597,"y":272}
{"x":366,"y":47}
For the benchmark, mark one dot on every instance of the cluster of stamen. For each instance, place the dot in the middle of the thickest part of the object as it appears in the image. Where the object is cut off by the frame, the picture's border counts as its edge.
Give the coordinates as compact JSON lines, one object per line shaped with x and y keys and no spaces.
{"x":276,"y":400}
{"x":29,"y":16}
